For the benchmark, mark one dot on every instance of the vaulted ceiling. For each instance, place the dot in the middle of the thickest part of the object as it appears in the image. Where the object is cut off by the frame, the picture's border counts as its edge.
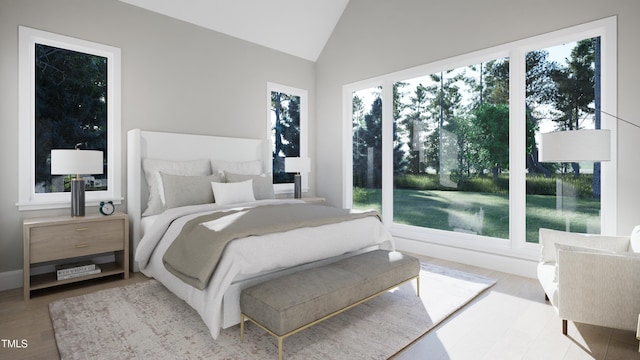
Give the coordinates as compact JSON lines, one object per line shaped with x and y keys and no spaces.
{"x":296,"y":27}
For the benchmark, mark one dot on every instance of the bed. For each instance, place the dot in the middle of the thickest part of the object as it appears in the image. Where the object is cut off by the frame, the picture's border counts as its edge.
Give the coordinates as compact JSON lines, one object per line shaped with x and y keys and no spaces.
{"x":244,"y":261}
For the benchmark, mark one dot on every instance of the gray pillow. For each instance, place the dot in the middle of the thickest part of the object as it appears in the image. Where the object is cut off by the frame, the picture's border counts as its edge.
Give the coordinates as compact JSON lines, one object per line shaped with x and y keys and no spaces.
{"x":152,"y":169}
{"x":187,"y":190}
{"x":262,"y":184}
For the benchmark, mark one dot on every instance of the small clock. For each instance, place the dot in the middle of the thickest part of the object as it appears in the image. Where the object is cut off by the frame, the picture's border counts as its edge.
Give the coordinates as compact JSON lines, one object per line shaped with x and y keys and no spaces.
{"x":107,"y":208}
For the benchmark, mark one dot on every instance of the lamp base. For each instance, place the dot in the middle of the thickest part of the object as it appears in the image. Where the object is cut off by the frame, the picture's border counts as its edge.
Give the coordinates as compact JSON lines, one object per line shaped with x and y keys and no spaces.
{"x":77,"y":197}
{"x":297,"y":186}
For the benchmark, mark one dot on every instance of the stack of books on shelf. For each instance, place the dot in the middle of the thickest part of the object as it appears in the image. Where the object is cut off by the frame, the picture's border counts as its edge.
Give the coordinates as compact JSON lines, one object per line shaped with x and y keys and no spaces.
{"x":82,"y":268}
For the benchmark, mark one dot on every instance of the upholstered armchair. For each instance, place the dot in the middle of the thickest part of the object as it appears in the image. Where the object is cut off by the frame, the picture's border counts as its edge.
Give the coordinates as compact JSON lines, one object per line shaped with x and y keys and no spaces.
{"x":593,"y":279}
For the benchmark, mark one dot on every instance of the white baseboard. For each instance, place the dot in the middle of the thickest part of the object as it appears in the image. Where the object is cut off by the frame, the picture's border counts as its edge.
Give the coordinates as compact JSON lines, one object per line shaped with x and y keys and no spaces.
{"x":507,"y":264}
{"x":522,"y":267}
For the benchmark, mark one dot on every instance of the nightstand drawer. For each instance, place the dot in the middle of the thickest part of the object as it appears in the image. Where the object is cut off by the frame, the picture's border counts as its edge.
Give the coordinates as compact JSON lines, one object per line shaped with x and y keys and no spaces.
{"x":62,"y":241}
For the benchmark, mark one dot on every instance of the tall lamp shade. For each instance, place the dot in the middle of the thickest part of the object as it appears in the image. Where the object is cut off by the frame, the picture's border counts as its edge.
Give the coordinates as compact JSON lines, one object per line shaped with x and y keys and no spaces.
{"x":576,"y":145}
{"x":297,"y":165}
{"x":76,"y":162}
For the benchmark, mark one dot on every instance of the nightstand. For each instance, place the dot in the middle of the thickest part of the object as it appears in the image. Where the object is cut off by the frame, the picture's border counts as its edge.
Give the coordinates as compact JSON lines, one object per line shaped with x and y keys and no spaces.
{"x":61,"y":240}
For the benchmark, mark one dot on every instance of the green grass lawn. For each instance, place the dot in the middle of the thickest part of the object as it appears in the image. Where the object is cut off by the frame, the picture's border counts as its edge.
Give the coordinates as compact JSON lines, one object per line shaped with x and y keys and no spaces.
{"x":481,"y":213}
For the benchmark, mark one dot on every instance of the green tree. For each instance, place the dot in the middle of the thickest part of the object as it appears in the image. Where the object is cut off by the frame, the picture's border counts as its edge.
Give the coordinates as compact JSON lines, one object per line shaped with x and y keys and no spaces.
{"x":359,"y":146}
{"x":491,"y":136}
{"x":417,"y":121}
{"x":400,"y":131}
{"x":367,"y":135}
{"x":575,"y":89}
{"x":286,"y":127}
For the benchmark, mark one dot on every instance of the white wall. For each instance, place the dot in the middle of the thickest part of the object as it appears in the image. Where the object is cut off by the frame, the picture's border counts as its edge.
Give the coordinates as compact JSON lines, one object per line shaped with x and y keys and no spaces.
{"x":376,"y":37}
{"x":175,"y":77}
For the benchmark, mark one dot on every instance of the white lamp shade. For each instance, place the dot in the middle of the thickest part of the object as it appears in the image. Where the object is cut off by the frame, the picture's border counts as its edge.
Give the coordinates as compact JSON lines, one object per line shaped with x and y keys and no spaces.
{"x":69,"y":161}
{"x":575,"y":145}
{"x":297,"y":164}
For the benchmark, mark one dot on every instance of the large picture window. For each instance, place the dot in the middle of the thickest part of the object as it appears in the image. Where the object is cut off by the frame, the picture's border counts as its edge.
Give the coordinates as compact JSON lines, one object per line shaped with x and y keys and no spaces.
{"x":449,"y":151}
{"x":69,"y":98}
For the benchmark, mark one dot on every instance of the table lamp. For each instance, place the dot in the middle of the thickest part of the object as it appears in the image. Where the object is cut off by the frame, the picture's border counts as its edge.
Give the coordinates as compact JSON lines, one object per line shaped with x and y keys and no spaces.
{"x":76,"y":162}
{"x":297,"y":165}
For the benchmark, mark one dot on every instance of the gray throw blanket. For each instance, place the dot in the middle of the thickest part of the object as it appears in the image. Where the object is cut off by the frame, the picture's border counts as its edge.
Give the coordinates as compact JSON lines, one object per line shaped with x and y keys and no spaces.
{"x":194,"y":254}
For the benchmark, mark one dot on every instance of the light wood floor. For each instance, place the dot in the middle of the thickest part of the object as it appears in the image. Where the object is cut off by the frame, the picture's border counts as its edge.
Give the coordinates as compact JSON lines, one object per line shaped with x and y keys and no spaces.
{"x":509,"y":321}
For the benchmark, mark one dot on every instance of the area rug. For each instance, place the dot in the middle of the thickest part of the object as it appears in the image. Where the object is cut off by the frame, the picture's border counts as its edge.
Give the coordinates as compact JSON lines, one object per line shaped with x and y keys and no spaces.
{"x":146,"y":321}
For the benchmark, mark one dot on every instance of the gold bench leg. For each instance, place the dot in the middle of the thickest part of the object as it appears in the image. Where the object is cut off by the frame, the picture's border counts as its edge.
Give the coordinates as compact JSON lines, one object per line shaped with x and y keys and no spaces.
{"x":279,"y":347}
{"x":418,"y":285}
{"x":241,"y":326}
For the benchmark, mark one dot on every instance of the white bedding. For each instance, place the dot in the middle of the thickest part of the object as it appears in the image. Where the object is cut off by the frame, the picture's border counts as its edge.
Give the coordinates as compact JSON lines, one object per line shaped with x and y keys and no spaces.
{"x":252,"y":255}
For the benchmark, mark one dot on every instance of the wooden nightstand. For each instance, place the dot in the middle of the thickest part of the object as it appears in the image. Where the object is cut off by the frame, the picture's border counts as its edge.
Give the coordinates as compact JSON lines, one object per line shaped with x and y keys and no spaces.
{"x":61,"y":239}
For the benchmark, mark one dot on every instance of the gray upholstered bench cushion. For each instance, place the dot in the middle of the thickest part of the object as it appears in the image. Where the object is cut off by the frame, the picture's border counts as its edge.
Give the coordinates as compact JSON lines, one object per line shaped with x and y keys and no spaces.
{"x":289,"y":302}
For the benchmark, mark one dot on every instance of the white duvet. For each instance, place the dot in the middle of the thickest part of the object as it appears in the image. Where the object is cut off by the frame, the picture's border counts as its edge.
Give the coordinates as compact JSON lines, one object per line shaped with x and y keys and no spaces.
{"x":246,"y":257}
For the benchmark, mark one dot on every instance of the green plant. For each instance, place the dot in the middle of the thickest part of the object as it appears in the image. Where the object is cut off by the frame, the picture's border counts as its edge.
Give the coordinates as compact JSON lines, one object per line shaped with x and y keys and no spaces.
{"x":360,"y":195}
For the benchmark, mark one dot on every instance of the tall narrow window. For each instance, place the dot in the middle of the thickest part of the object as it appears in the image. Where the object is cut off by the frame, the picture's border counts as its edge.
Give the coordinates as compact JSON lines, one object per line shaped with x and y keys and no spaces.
{"x":563,"y":91}
{"x":367,"y":148}
{"x":70,"y":111}
{"x":69,"y":98}
{"x":287,"y":119}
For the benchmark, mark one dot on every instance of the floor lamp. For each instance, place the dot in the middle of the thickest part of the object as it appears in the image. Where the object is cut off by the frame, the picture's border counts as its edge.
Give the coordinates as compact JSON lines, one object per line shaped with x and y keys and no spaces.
{"x":578,"y":145}
{"x":76,"y":162}
{"x":592,"y":145}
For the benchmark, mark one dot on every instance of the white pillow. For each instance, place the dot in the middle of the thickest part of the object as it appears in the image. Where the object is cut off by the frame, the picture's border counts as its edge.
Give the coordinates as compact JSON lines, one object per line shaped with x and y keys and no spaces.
{"x":152,"y":169}
{"x":634,"y":245}
{"x":231,"y":193}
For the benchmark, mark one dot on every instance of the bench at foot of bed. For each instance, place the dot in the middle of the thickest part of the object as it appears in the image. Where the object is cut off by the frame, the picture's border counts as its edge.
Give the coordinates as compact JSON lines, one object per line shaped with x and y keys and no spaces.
{"x":291,"y":303}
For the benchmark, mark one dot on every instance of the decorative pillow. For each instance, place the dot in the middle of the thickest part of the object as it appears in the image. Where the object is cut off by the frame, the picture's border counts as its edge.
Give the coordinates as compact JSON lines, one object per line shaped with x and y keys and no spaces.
{"x":231,"y":193}
{"x":187,"y":190}
{"x":253,"y":167}
{"x":634,"y":245}
{"x":152,"y":169}
{"x":262,"y":184}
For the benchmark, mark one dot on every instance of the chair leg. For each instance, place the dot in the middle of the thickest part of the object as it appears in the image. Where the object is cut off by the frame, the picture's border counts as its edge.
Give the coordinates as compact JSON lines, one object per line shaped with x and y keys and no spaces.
{"x":564,"y":327}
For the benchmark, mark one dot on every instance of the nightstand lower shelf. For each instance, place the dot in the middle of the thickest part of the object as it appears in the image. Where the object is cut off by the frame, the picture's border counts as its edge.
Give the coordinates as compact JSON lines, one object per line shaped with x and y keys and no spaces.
{"x":43,"y":281}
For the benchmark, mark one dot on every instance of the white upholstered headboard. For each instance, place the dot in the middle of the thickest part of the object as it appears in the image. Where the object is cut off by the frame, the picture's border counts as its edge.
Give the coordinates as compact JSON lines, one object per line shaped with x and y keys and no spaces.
{"x":175,"y":146}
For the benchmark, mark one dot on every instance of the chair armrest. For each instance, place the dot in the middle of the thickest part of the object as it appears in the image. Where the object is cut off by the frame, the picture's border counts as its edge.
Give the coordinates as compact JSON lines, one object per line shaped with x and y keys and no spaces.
{"x":599,"y":289}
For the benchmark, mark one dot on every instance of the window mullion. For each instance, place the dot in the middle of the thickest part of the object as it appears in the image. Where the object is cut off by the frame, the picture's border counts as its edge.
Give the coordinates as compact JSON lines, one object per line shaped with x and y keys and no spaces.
{"x":517,"y":146}
{"x":387,"y":153}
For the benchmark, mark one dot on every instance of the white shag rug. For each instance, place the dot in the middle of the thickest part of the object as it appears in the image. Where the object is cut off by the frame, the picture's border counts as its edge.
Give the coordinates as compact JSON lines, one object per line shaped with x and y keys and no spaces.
{"x":146,"y":321}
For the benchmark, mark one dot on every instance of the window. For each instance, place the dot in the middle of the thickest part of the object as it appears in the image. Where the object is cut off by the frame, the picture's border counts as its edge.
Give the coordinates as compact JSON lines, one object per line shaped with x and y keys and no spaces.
{"x":287,"y":124}
{"x":563,"y":87}
{"x":453,"y":132}
{"x":69,"y":97}
{"x":367,"y":148}
{"x":451,"y":150}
